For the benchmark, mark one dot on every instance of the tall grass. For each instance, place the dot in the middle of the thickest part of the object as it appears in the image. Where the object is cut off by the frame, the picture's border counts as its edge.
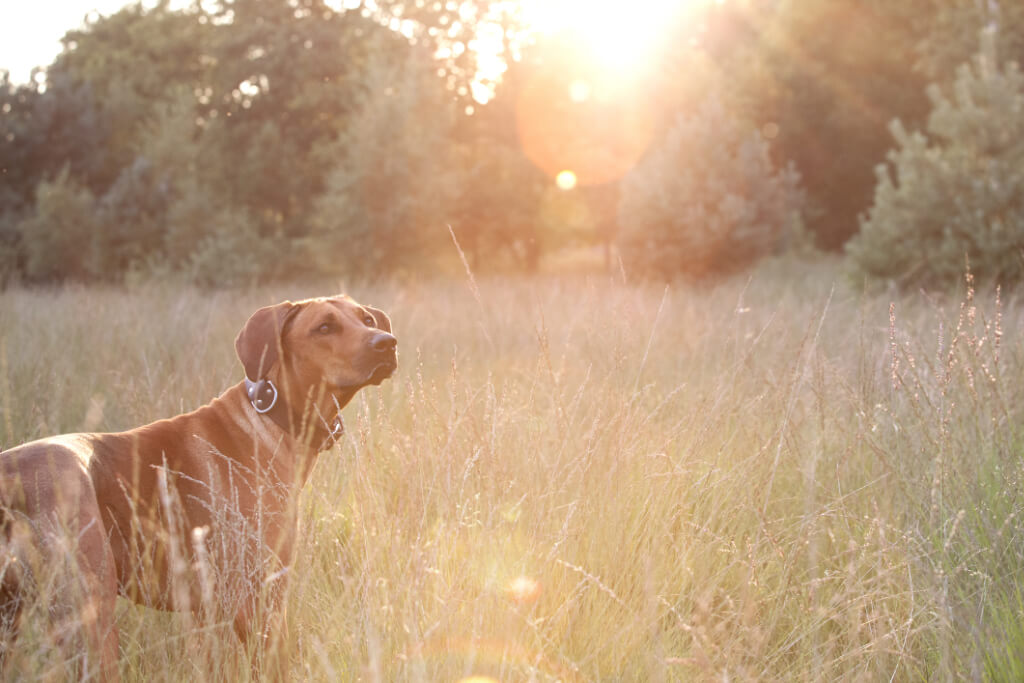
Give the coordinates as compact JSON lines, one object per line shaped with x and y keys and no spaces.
{"x":781,"y":477}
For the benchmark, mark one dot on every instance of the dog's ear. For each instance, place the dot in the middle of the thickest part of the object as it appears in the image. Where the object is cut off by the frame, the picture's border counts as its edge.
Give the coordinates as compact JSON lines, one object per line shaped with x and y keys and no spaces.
{"x":383,"y":321}
{"x":258,"y":345}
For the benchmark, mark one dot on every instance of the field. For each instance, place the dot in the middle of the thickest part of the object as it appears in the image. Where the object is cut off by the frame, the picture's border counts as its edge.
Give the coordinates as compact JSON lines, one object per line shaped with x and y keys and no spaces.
{"x":782,"y":477}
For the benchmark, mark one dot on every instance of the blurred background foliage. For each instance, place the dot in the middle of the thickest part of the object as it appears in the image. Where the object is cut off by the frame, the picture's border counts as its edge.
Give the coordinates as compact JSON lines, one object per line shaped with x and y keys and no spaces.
{"x":240,"y":140}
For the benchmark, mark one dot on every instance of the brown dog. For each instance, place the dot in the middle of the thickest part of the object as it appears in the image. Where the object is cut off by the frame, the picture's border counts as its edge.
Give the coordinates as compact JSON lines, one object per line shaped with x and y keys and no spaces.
{"x":197,"y":512}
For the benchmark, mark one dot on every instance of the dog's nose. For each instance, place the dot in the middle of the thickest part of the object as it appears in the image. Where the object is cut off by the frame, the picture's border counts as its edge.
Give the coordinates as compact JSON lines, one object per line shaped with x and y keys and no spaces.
{"x":382,"y":341}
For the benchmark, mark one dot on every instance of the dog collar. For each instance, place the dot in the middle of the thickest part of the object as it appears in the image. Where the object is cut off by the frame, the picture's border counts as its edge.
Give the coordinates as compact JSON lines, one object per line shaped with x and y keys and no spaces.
{"x":263,"y":396}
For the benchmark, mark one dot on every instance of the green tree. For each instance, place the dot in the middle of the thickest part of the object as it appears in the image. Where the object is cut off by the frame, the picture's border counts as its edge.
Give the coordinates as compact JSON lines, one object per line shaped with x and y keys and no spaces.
{"x":385,"y":202}
{"x":495,"y":203}
{"x":823,"y":78}
{"x":130,"y":216}
{"x":707,"y":200}
{"x":285,"y":82}
{"x":42,"y":130}
{"x":58,"y":235}
{"x":957,"y":191}
{"x":130,"y":62}
{"x":446,"y":31}
{"x":210,"y":241}
{"x":74,"y":142}
{"x":186,"y":125}
{"x":949,"y":30}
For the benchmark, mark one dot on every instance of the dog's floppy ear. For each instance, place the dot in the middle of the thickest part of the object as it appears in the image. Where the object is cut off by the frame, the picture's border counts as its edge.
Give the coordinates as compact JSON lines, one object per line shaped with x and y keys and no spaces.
{"x":258,"y":344}
{"x":383,"y":321}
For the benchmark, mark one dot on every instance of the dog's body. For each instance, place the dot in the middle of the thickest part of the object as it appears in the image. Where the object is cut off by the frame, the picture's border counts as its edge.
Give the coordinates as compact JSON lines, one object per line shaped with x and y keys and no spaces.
{"x":147,"y":510}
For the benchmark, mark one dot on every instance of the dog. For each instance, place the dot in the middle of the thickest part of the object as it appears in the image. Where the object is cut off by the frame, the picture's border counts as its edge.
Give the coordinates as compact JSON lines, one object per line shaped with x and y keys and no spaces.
{"x":154,"y":512}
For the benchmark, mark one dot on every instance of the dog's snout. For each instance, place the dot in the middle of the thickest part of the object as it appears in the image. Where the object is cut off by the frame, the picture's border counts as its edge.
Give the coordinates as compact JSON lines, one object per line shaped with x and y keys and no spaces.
{"x":382,"y":341}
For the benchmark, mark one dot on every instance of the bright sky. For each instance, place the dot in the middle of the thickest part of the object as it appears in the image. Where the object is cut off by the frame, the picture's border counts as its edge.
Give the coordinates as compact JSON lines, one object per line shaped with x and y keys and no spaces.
{"x":30,"y":32}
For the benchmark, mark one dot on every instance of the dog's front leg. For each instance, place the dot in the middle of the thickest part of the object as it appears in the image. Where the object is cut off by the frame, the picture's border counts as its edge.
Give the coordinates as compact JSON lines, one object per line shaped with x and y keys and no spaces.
{"x":262,"y":626}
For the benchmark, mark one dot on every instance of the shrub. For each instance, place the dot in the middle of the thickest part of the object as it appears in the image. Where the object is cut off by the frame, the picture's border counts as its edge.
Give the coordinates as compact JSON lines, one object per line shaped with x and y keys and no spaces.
{"x":494,"y":209}
{"x":133,"y":215}
{"x":230,"y":252}
{"x":11,"y":261}
{"x":708,"y":200}
{"x":57,"y":237}
{"x":957,"y":192}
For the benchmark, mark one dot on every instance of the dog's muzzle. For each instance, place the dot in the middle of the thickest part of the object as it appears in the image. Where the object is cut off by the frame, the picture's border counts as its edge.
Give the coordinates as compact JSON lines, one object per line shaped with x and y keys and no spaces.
{"x":384,"y":348}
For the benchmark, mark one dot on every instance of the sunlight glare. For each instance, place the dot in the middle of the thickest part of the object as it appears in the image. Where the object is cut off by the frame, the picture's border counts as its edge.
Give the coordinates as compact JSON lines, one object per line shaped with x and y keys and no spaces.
{"x":579,"y":91}
{"x":618,"y":35}
{"x":523,"y":590}
{"x":566,"y":180}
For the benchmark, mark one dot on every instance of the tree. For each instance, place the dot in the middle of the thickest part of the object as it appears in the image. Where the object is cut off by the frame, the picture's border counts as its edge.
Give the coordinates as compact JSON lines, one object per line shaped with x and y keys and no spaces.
{"x":447,"y":31}
{"x":44,"y":130}
{"x":955,"y":194}
{"x":57,"y":236}
{"x":385,"y":198}
{"x":73,"y":139}
{"x":185,"y":127}
{"x":823,"y":78}
{"x":128,"y":63}
{"x":495,"y":203}
{"x":949,"y":30}
{"x":708,"y":200}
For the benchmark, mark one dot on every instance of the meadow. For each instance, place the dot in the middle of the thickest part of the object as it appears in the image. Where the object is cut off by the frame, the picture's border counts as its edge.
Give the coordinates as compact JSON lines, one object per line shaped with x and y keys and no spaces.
{"x":785,"y":476}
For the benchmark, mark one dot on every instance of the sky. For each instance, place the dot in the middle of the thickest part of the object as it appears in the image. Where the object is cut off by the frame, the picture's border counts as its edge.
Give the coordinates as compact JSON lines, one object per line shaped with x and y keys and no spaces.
{"x":30,"y":32}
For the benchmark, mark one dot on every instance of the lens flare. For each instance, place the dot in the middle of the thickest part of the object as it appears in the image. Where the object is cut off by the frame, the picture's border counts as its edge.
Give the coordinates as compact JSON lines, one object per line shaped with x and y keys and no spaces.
{"x":566,"y":180}
{"x":619,"y":37}
{"x":491,"y":654}
{"x":523,"y":590}
{"x":579,"y":91}
{"x":568,"y":120}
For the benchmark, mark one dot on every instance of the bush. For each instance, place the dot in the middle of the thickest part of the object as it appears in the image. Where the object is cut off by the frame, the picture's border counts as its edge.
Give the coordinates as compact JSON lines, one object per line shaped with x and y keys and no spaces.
{"x":11,"y":257}
{"x":708,"y":200}
{"x":230,"y":252}
{"x":957,"y":192}
{"x":132,"y":214}
{"x":58,"y":237}
{"x":494,"y":209}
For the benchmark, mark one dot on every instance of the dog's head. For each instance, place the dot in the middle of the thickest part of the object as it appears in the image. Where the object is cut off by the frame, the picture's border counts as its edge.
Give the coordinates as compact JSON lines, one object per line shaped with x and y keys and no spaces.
{"x":319,"y":349}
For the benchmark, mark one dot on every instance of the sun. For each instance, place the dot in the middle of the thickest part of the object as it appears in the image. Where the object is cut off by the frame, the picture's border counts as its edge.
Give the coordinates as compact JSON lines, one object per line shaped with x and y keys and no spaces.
{"x":618,"y":35}
{"x":583,"y":109}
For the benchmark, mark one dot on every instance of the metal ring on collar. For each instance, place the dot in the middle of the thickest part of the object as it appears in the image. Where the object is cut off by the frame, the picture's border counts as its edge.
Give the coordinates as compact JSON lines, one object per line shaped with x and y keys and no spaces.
{"x":257,"y":392}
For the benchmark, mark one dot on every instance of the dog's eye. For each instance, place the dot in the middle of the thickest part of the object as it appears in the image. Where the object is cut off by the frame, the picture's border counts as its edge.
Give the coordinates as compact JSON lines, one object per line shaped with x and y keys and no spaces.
{"x":326,"y":328}
{"x":370,"y":322}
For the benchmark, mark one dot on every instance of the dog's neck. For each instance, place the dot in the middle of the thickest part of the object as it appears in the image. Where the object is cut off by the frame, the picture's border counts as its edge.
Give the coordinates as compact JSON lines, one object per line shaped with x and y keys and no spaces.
{"x":306,"y":426}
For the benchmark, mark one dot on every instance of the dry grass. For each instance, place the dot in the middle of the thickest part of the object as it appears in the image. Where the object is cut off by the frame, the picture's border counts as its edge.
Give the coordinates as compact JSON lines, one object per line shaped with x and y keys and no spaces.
{"x":782,"y":477}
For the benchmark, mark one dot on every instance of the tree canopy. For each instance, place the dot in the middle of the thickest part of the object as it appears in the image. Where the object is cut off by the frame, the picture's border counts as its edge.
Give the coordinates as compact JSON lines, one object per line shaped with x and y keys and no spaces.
{"x":243,"y":139}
